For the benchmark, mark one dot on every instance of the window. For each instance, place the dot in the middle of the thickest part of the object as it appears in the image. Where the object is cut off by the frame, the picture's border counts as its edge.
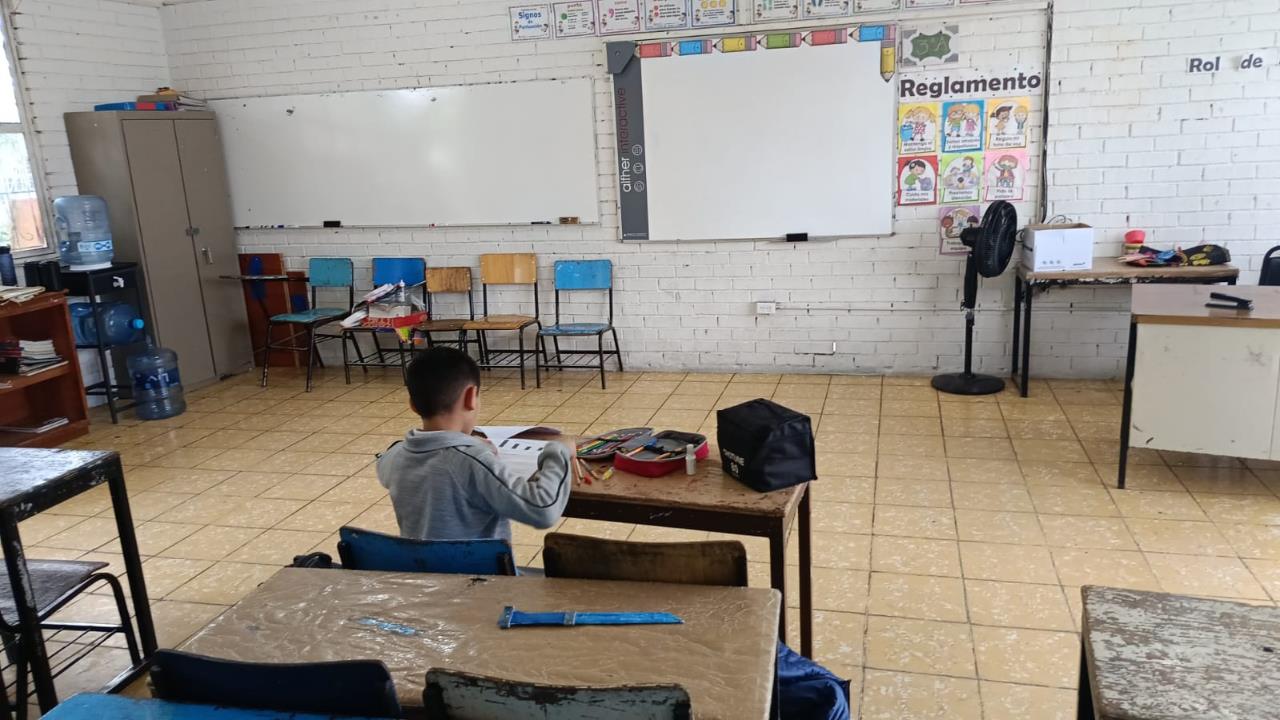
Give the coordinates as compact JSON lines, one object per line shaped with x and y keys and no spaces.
{"x":22,"y":225}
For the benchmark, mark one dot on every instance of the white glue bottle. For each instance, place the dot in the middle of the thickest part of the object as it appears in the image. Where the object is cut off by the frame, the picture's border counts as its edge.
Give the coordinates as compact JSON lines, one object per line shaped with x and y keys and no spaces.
{"x":690,"y":460}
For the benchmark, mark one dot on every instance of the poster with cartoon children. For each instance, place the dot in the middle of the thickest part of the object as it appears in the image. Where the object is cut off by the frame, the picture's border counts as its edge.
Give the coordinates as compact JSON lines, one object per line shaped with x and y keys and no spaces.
{"x":962,"y":124}
{"x":951,"y":222}
{"x":1006,"y":173}
{"x":960,"y":177}
{"x":918,"y":180}
{"x":917,"y":128}
{"x":1007,"y":122}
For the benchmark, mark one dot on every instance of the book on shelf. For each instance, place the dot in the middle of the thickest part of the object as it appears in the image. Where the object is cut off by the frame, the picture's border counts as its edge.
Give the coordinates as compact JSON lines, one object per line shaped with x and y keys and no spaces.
{"x":35,"y":428}
{"x":37,"y":368}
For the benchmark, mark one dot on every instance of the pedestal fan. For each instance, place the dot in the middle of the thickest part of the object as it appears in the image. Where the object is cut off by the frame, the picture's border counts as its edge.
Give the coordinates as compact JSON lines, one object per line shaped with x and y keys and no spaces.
{"x":990,"y":247}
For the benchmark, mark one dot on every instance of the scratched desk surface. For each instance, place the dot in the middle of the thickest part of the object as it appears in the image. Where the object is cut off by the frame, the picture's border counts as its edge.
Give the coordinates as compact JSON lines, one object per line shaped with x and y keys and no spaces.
{"x":722,"y":655}
{"x":1172,"y":657}
{"x":26,"y":474}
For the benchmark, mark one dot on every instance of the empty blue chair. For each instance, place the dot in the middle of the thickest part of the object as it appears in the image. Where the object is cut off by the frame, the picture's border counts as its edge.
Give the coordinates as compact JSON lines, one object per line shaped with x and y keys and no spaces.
{"x":369,"y":550}
{"x":386,"y":271}
{"x":322,"y":272}
{"x":572,"y":276}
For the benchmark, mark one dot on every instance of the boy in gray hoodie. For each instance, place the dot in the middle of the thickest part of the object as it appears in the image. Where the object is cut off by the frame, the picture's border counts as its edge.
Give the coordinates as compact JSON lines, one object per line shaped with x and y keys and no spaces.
{"x":449,"y":485}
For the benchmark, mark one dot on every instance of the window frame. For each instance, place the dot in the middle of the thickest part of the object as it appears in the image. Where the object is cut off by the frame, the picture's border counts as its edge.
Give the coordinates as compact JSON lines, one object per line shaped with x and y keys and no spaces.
{"x":24,"y":126}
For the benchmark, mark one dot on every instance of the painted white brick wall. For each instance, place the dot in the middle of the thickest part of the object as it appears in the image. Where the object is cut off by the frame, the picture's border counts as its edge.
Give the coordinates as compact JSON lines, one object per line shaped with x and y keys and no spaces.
{"x":865,"y":304}
{"x":76,"y":53}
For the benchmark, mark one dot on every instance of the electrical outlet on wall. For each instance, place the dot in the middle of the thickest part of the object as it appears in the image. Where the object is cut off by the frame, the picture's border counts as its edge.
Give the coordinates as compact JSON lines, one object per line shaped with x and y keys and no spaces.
{"x":766,"y":307}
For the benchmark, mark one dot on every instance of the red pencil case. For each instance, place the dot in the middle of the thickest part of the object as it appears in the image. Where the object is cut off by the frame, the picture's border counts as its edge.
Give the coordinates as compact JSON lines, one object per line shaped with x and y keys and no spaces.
{"x":650,"y":455}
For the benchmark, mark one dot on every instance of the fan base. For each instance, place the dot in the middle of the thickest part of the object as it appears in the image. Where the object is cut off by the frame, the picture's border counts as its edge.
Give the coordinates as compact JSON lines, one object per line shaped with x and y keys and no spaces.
{"x":967,"y":384}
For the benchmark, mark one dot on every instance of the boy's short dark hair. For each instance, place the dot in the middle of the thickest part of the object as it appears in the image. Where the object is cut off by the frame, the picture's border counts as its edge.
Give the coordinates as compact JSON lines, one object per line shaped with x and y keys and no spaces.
{"x":437,"y":377}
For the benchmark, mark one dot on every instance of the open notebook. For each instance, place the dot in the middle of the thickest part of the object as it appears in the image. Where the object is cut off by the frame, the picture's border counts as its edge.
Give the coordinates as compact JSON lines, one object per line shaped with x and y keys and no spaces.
{"x":521,"y":456}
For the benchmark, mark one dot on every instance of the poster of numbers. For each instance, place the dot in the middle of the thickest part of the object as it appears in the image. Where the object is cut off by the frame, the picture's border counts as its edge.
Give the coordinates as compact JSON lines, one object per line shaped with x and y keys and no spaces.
{"x":776,"y":10}
{"x":618,"y":16}
{"x":666,"y":14}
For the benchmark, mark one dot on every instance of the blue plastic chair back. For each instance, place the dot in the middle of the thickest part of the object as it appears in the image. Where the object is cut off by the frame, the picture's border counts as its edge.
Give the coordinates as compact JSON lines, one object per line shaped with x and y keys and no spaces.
{"x":392,"y":270}
{"x":330,"y":272}
{"x":368,"y":550}
{"x":584,"y":274}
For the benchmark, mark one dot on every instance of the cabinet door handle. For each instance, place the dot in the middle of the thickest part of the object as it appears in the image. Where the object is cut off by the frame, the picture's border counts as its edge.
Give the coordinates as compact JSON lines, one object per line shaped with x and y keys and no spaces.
{"x":208,"y":256}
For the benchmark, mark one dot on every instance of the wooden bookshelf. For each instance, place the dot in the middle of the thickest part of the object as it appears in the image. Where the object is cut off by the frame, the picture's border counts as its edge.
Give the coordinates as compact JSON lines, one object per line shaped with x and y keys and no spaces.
{"x":58,"y":392}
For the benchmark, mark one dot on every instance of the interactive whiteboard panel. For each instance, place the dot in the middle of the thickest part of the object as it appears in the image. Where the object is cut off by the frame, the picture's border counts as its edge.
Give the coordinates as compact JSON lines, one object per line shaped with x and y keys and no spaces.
{"x":506,"y":153}
{"x":764,"y":143}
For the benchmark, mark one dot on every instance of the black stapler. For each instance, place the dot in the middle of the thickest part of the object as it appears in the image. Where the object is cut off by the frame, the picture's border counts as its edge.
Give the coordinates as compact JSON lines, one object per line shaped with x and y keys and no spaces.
{"x":1231,"y":302}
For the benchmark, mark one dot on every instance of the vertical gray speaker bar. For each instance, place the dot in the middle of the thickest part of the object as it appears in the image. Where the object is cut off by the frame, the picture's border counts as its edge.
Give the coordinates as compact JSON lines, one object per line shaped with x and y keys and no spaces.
{"x":628,"y":111}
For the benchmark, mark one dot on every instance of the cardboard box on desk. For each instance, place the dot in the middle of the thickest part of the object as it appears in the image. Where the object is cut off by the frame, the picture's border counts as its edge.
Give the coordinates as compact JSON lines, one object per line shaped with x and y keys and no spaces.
{"x":1059,"y":247}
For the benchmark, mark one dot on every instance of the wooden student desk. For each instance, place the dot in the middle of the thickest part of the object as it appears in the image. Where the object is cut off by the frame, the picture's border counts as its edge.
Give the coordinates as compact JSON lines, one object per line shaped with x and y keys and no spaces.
{"x":1202,"y":380}
{"x":1154,"y":656}
{"x":723,"y":654}
{"x":1105,"y":271}
{"x":715,"y":502}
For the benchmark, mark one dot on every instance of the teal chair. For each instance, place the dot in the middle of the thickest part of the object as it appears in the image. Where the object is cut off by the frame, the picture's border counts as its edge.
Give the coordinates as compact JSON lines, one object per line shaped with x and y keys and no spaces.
{"x":369,"y":550}
{"x":386,"y":271}
{"x":573,"y":276}
{"x":322,"y":272}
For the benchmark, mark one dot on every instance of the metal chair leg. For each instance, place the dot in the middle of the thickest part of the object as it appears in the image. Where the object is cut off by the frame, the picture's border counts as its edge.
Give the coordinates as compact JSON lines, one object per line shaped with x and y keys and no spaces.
{"x":555,"y":341}
{"x":538,"y":342}
{"x":520,"y":357}
{"x":311,"y":354}
{"x":266,"y":355}
{"x":126,"y":625}
{"x":617,"y":348}
{"x":346,"y":357}
{"x":600,"y":349}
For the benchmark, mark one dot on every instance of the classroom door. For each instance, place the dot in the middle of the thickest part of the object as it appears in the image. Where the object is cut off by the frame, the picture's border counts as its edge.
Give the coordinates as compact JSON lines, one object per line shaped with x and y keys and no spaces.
{"x":173,"y":281}
{"x":204,"y":174}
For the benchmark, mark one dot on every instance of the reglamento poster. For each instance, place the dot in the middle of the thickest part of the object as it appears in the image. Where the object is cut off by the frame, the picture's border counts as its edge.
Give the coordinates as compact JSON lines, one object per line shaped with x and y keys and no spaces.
{"x":574,"y":19}
{"x":666,"y":14}
{"x":918,"y":180}
{"x":827,"y":8}
{"x":710,"y":13}
{"x":618,"y":16}
{"x":960,"y":177}
{"x":776,"y":10}
{"x":1007,"y":122}
{"x":917,"y":128}
{"x":962,"y":125}
{"x":1006,"y":174}
{"x":951,"y":222}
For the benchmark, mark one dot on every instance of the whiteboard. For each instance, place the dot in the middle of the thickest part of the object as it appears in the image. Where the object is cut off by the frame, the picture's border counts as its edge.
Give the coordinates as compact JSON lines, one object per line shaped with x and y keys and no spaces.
{"x":764,"y":143}
{"x":509,"y":153}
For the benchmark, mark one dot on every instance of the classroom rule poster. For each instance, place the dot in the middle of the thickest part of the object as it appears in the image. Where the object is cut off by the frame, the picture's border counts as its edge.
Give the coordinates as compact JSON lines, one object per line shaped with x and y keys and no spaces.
{"x":918,"y":180}
{"x":777,"y":10}
{"x":827,"y":8}
{"x":618,"y":16}
{"x":531,"y":22}
{"x":962,"y":125}
{"x":574,"y":19}
{"x":917,"y":128}
{"x":1006,"y":174}
{"x":1007,"y":122}
{"x":666,"y":14}
{"x":713,"y":13}
{"x":960,"y":178}
{"x":875,"y":5}
{"x":951,"y":222}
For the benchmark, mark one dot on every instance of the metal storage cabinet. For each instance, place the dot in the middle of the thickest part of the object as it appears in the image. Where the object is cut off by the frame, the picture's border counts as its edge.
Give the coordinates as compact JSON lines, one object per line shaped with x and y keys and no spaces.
{"x":165,"y":182}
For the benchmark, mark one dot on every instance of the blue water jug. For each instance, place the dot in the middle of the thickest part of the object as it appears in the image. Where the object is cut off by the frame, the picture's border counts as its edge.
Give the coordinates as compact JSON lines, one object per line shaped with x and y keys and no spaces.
{"x":84,"y":232}
{"x":157,"y":387}
{"x":120,"y":323}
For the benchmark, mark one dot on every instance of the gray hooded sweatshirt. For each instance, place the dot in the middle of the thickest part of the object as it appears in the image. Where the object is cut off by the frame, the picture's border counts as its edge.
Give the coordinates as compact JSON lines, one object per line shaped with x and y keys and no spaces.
{"x":451,"y":486}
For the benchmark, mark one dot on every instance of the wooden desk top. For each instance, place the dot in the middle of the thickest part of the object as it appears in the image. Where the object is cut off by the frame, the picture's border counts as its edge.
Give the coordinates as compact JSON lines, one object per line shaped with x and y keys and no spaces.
{"x":723,"y":654}
{"x":1108,"y":270}
{"x":1155,"y":655}
{"x":710,"y":489}
{"x":1184,"y":305}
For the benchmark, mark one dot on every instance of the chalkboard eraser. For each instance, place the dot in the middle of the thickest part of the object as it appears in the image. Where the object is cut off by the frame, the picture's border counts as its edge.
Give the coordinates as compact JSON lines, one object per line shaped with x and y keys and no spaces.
{"x":332,"y":223}
{"x":797,"y":237}
{"x":569,"y":220}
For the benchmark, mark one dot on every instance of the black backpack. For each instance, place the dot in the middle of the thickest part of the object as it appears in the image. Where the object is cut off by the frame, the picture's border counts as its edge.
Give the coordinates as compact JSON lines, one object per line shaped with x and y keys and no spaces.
{"x":765,"y":445}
